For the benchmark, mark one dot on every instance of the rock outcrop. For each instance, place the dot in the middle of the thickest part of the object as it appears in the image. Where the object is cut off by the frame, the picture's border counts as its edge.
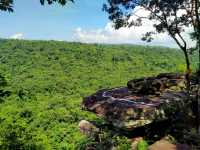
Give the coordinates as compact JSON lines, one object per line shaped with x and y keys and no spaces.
{"x":166,"y":145}
{"x":87,"y":128}
{"x":157,"y":85}
{"x":142,"y":102}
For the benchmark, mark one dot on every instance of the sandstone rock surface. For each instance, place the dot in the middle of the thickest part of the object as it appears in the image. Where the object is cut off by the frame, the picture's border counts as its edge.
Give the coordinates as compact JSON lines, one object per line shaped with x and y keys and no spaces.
{"x":142,"y":102}
{"x":166,"y":145}
{"x":88,"y":128}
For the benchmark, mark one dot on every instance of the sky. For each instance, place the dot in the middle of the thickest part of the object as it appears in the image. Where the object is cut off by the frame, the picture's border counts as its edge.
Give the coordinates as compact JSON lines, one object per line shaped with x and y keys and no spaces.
{"x":82,"y":21}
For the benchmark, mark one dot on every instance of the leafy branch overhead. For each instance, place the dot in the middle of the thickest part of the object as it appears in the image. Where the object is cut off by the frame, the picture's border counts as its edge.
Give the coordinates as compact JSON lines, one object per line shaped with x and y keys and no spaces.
{"x":7,"y":5}
{"x":165,"y":12}
{"x":61,"y":2}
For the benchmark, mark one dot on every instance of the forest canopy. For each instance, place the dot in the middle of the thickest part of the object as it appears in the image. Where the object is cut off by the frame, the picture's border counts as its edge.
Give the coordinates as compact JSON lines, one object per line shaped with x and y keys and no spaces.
{"x":47,"y":83}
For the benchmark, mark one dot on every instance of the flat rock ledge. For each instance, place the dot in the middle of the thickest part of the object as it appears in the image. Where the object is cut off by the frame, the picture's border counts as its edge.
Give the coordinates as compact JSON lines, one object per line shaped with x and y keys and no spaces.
{"x":142,"y":102}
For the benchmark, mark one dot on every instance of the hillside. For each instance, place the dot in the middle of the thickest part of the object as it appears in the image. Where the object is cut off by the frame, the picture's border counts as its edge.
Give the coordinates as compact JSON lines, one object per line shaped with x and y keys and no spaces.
{"x":47,"y":80}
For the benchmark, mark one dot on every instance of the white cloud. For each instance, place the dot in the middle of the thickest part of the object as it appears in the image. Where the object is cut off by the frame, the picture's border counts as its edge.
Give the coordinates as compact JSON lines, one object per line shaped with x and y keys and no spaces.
{"x":17,"y":36}
{"x":130,"y":35}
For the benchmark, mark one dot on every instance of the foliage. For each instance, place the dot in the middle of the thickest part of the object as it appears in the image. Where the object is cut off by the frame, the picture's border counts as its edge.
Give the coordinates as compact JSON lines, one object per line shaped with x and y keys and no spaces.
{"x":7,"y":5}
{"x":142,"y":145}
{"x":61,"y":2}
{"x":3,"y":91}
{"x":106,"y":140}
{"x":47,"y":80}
{"x":122,"y":143}
{"x":85,"y":143}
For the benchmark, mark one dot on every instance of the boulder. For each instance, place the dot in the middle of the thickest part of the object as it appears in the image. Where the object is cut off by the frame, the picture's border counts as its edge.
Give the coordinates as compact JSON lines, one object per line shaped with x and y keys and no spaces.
{"x":87,"y":128}
{"x":158,"y":84}
{"x":166,"y":145}
{"x":142,"y":102}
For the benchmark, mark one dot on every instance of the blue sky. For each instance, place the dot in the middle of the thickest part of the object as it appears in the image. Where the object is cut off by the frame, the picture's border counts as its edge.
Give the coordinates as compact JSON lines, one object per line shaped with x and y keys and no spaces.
{"x":51,"y":22}
{"x":82,"y":21}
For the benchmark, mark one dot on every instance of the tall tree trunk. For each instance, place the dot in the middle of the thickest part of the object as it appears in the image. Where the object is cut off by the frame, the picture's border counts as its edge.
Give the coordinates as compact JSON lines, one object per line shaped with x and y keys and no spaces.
{"x":198,"y":88}
{"x":197,"y":20}
{"x":188,"y":70}
{"x":186,"y":59}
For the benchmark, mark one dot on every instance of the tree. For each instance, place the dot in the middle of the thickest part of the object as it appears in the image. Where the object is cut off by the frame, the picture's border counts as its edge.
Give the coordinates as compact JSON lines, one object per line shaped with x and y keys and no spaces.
{"x":196,"y":25}
{"x":195,"y":20}
{"x":171,"y":16}
{"x":7,"y":5}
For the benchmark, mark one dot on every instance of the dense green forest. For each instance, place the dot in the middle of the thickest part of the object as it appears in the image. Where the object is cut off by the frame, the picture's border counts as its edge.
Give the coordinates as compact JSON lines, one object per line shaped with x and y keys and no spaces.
{"x":43,"y":83}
